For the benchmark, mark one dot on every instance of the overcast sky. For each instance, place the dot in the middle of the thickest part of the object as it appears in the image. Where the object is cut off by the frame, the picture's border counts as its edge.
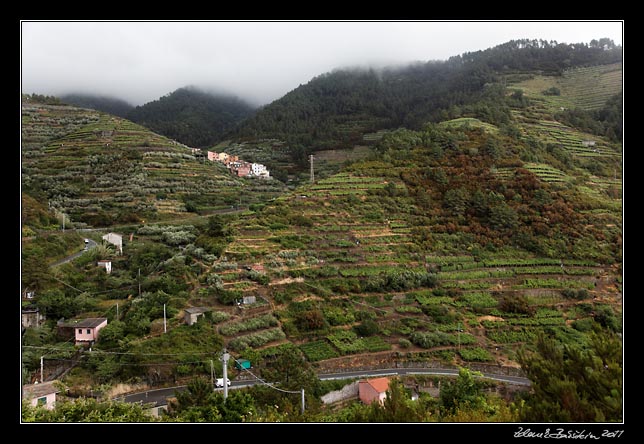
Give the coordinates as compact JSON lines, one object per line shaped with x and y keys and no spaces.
{"x":258,"y":61}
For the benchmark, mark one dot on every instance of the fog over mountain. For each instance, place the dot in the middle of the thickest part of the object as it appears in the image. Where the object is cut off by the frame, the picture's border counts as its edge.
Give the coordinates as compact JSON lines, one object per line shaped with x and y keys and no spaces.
{"x":257,"y":61}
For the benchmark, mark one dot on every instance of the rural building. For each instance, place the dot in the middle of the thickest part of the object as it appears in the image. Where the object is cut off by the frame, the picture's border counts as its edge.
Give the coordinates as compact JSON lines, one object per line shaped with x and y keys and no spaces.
{"x":231,"y":159}
{"x":259,"y":170}
{"x":43,"y":393}
{"x":243,"y":169}
{"x":84,"y":331}
{"x":370,"y":390}
{"x":105,"y":264}
{"x":31,"y":317}
{"x":212,"y":156}
{"x":249,"y":300}
{"x":588,"y":143}
{"x":192,"y":314}
{"x":116,"y":240}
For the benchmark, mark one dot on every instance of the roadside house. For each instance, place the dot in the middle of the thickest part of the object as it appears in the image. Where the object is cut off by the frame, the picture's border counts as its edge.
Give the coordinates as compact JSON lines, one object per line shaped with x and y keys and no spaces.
{"x":40,"y":394}
{"x":116,"y":240}
{"x":370,"y":390}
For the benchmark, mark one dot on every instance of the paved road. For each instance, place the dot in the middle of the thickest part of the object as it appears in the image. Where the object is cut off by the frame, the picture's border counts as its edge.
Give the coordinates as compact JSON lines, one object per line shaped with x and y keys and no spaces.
{"x":159,"y":396}
{"x":91,"y":244}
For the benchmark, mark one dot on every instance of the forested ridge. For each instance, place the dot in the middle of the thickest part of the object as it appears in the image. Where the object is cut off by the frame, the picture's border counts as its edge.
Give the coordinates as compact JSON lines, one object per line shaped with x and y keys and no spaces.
{"x":191,"y":116}
{"x":334,"y":109}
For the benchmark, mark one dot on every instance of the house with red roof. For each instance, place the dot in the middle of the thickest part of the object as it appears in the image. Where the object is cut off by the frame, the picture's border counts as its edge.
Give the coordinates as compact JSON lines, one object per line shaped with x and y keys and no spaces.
{"x":370,"y":390}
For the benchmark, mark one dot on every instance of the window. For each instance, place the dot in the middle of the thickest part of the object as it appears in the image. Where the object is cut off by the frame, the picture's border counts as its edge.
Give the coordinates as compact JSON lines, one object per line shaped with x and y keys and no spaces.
{"x":89,"y":331}
{"x":80,"y":331}
{"x":42,"y":401}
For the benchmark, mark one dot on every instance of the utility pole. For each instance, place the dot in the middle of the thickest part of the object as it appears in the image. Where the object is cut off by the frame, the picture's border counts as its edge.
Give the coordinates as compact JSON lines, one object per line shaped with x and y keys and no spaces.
{"x":42,"y":372}
{"x":164,"y":323}
{"x":139,"y":282}
{"x":302,"y":401}
{"x":117,"y":311}
{"x":212,"y":375}
{"x":224,"y":357}
{"x":311,"y":161}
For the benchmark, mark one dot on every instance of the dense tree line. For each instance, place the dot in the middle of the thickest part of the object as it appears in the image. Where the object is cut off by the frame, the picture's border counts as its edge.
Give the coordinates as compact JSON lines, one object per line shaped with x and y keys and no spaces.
{"x":110,"y":105}
{"x":190,"y":116}
{"x":336,"y":108}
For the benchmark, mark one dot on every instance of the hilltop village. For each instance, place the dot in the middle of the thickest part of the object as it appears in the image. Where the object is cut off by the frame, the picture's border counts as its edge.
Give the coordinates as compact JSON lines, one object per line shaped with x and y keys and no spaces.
{"x":238,"y":167}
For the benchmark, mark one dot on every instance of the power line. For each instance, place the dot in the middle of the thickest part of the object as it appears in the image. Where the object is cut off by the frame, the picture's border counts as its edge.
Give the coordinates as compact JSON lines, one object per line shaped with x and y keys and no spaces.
{"x":123,"y":353}
{"x":262,"y":381}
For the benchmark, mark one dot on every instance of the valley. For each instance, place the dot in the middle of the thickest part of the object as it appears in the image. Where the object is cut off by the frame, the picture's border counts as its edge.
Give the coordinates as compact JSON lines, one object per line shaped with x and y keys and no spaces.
{"x":458,"y":243}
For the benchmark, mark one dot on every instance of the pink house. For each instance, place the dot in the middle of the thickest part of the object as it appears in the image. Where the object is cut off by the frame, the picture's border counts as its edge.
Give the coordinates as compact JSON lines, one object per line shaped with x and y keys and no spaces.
{"x":243,"y":170}
{"x":86,"y":330}
{"x":40,"y":394}
{"x":371,"y":390}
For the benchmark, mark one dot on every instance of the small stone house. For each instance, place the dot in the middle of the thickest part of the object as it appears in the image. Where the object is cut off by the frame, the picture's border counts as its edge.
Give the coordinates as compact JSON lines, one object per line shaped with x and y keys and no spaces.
{"x":249,"y":300}
{"x":40,"y":394}
{"x":191,"y":315}
{"x":370,"y":390}
{"x":31,"y":317}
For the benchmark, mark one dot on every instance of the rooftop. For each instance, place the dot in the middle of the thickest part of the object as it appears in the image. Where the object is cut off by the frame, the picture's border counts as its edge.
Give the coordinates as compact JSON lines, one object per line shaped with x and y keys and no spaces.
{"x":39,"y":390}
{"x":85,"y":323}
{"x":379,"y":384}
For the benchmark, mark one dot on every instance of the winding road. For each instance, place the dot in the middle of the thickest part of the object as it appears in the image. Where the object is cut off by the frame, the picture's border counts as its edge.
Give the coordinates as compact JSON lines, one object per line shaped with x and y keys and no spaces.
{"x":91,"y":244}
{"x":158,"y":397}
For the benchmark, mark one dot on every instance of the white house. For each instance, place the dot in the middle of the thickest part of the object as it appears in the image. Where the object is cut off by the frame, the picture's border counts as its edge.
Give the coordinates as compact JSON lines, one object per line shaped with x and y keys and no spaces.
{"x":116,"y":240}
{"x":105,"y":264}
{"x":259,"y":170}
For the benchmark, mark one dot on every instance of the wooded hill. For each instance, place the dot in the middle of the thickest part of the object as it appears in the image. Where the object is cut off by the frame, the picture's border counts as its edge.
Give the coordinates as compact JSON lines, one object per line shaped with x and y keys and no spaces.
{"x":194,"y":117}
{"x":335,"y":109}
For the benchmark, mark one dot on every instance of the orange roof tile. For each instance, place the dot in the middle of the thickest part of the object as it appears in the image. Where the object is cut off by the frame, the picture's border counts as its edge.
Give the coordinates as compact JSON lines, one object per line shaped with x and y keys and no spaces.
{"x":379,"y":384}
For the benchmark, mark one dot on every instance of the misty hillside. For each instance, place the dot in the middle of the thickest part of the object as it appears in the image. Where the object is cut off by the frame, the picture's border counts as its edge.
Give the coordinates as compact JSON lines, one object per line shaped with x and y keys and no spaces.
{"x":110,"y":105}
{"x":476,"y":223}
{"x":335,"y":109}
{"x":191,"y":116}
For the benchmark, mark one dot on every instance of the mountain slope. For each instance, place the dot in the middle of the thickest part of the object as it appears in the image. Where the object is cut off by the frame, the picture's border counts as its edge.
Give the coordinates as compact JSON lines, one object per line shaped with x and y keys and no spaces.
{"x":101,"y":169}
{"x":192,"y":116}
{"x":337,"y":108}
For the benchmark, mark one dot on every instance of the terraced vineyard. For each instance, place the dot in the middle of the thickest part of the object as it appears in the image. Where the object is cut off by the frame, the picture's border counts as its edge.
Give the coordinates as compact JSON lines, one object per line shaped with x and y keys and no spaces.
{"x":470,"y":122}
{"x":544,"y":172}
{"x":587,"y":88}
{"x":117,"y":171}
{"x":335,"y":256}
{"x":577,"y":143}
